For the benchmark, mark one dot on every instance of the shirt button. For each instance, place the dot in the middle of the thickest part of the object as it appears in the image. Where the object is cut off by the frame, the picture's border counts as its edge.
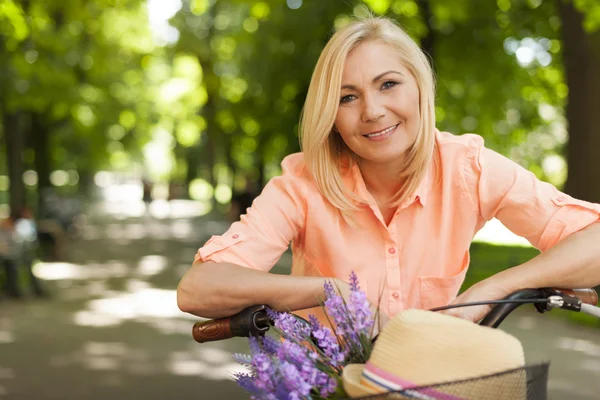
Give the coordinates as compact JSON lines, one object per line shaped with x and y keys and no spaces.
{"x":392,"y":250}
{"x":396,"y":295}
{"x":235,"y":236}
{"x":560,"y":199}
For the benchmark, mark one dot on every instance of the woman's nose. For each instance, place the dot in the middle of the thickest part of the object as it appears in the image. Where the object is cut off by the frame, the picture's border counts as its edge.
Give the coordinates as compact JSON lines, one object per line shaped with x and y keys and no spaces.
{"x":372,"y":109}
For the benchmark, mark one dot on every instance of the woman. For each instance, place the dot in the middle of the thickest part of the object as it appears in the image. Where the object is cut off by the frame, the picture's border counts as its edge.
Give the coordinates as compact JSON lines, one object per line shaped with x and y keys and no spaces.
{"x":378,"y":190}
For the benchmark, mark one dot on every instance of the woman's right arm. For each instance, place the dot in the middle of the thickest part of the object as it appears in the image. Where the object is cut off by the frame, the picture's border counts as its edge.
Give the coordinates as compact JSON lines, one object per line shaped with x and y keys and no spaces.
{"x":216,"y":290}
{"x":230,"y":272}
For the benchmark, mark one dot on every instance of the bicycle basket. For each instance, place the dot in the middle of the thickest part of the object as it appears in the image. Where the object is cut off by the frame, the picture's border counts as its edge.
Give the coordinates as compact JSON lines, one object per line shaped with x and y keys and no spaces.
{"x":526,"y":383}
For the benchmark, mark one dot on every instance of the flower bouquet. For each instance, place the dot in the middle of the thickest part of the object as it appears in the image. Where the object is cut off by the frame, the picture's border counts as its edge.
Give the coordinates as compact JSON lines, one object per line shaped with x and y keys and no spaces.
{"x":305,"y":359}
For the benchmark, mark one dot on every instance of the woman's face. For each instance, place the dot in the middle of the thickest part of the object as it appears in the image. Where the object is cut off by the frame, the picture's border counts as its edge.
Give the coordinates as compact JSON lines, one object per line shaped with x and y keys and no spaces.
{"x":378,"y":116}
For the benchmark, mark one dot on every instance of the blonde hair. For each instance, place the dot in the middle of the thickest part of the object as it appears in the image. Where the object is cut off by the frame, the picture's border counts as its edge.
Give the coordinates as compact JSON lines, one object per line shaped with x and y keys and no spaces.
{"x":324,"y":150}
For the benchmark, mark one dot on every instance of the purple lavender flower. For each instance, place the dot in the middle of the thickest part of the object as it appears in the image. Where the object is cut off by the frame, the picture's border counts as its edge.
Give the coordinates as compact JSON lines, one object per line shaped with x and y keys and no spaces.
{"x":264,"y":370}
{"x":291,"y":327}
{"x":354,"y":286}
{"x":246,"y":382}
{"x":243,"y":359}
{"x":359,"y":307}
{"x":338,"y":311}
{"x":289,"y":370}
{"x":293,"y":380}
{"x":293,"y":353}
{"x":328,"y":387}
{"x":317,"y":379}
{"x":360,"y":310}
{"x":254,"y":346}
{"x":327,"y":342}
{"x":271,"y":345}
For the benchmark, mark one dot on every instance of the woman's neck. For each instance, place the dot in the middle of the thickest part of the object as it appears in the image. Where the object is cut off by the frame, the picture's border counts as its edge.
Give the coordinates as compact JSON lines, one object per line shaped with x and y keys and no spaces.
{"x":383,"y":181}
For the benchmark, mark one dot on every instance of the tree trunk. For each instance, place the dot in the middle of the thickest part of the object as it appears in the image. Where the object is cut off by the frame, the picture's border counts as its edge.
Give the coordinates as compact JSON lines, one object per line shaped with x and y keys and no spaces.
{"x":427,"y":43}
{"x":191,"y":156}
{"x":582,"y":66}
{"x":86,"y":181}
{"x":14,"y":141}
{"x":41,"y":148}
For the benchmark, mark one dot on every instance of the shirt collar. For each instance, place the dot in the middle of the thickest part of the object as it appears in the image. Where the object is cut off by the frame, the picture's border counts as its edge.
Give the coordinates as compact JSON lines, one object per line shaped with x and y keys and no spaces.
{"x":356,"y":184}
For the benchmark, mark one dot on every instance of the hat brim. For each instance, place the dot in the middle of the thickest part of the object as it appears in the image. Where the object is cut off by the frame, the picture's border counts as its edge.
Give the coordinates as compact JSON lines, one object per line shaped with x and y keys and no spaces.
{"x":351,"y":381}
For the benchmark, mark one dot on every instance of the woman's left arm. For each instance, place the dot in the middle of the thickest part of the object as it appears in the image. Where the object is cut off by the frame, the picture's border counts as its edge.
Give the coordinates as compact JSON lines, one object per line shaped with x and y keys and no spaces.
{"x":566,"y":230}
{"x":572,"y":263}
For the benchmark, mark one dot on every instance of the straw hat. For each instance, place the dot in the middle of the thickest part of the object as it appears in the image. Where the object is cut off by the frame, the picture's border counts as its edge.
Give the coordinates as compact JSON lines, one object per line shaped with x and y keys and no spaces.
{"x":418,"y":348}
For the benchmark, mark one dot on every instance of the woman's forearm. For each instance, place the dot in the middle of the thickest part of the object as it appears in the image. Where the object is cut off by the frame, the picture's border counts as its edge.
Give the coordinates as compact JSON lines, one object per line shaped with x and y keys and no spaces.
{"x":215,"y":290}
{"x":572,"y":263}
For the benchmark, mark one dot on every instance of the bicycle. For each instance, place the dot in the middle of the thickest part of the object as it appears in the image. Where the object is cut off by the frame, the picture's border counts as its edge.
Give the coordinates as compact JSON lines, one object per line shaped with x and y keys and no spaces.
{"x":254,"y":321}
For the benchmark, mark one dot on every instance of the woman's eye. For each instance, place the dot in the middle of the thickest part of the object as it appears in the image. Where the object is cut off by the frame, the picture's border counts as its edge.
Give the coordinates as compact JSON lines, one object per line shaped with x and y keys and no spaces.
{"x":388,"y":84}
{"x":347,"y":98}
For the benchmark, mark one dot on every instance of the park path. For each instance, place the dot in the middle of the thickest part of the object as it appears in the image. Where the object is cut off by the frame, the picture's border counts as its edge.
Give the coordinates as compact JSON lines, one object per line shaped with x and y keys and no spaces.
{"x":111,"y":329}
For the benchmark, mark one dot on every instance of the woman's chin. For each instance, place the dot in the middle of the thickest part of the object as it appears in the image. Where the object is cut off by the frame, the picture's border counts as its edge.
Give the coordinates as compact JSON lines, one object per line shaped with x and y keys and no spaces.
{"x":385,"y":159}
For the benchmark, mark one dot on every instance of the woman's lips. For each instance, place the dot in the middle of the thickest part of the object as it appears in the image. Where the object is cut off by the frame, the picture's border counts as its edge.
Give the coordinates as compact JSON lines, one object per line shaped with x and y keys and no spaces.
{"x":381,"y":135}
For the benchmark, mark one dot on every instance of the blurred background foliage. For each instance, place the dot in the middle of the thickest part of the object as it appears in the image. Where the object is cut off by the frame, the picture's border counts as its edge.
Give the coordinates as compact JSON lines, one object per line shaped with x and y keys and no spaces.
{"x":205,"y":95}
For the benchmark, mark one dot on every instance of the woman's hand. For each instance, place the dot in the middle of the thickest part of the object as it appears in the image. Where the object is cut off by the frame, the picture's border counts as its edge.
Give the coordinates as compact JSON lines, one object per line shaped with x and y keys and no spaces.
{"x":488,"y":289}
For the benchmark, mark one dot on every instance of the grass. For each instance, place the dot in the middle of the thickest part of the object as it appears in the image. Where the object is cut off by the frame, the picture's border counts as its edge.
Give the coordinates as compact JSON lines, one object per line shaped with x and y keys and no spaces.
{"x":488,"y":259}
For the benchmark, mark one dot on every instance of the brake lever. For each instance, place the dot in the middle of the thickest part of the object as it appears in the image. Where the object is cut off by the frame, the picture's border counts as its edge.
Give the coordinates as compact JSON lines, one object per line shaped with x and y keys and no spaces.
{"x":558,"y":299}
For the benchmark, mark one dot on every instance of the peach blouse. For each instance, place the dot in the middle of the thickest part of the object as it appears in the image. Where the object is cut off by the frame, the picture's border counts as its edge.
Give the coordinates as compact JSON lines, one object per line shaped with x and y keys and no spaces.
{"x":420,"y":259}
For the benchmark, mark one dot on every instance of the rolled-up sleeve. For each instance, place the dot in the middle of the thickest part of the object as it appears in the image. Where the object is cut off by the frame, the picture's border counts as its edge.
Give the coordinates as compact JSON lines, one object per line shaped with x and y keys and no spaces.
{"x":530,"y":208}
{"x":275,"y":218}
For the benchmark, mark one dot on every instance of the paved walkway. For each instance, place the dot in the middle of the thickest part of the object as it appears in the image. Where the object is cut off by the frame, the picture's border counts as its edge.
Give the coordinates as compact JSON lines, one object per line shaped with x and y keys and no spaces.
{"x":112,"y":329}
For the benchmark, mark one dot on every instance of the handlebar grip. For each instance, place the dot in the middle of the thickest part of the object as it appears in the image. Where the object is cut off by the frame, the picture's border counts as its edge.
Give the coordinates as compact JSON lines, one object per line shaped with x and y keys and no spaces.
{"x":251,"y":321}
{"x":587,"y":295}
{"x":213,"y":330}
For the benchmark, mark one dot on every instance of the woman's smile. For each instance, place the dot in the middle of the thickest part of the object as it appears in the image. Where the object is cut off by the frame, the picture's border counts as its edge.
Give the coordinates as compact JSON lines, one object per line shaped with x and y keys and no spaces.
{"x":381,"y":135}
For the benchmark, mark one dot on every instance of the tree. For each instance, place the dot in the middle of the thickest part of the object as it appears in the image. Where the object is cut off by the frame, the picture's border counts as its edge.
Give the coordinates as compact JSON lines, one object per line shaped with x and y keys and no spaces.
{"x":70,"y":77}
{"x":582,"y":65}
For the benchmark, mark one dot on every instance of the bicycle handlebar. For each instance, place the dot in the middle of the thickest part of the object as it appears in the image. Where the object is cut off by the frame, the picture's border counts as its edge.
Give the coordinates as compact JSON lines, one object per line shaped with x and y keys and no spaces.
{"x":251,"y":321}
{"x":587,"y":296}
{"x":500,"y":312}
{"x":254,"y":320}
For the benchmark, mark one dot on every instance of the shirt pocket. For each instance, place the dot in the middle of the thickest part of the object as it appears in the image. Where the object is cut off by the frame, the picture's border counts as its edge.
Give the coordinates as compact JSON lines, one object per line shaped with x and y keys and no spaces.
{"x":219,"y":243}
{"x":437,"y":291}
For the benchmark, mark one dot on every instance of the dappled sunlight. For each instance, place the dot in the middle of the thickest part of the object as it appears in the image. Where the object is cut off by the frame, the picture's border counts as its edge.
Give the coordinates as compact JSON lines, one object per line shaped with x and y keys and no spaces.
{"x":151,"y":265}
{"x":142,"y":304}
{"x":586,"y":347}
{"x":206,"y":362}
{"x":90,"y":318}
{"x":6,"y":331}
{"x":102,"y":363}
{"x":134,"y":207}
{"x":63,"y":270}
{"x":5,"y":374}
{"x":6,"y":337}
{"x":103,"y":356}
{"x":188,"y":208}
{"x":591,"y":365}
{"x":85,"y":290}
{"x":172,"y":326}
{"x":181,"y":229}
{"x":107,"y":356}
{"x":159,"y":209}
{"x":148,"y":266}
